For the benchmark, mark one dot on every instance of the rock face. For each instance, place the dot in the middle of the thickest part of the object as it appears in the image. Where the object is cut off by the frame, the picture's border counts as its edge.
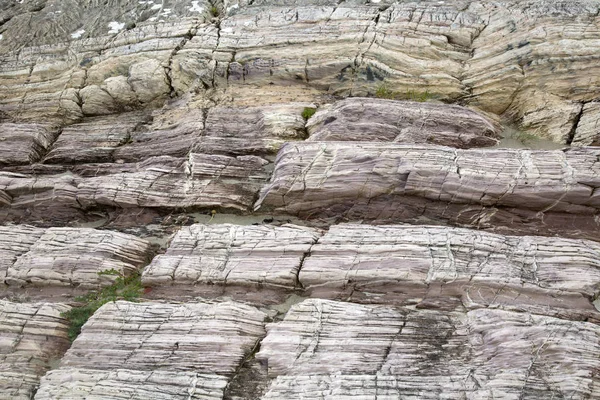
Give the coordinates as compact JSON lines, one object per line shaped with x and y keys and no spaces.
{"x":233,"y":255}
{"x":517,"y":190}
{"x":178,"y":351}
{"x":32,"y":338}
{"x":237,"y":158}
{"x":335,"y":350}
{"x":440,"y":267}
{"x":68,"y":256}
{"x":376,"y":120}
{"x":504,"y":57}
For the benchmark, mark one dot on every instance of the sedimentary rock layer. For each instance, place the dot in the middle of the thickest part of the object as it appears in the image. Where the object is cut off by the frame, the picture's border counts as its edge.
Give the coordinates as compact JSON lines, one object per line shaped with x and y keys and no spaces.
{"x":67,"y":256}
{"x":233,"y":255}
{"x":153,"y":350}
{"x":199,"y":180}
{"x":333,"y":349}
{"x":587,"y":132}
{"x":441,"y":267}
{"x":512,"y":190}
{"x":24,"y":143}
{"x":377,"y":120}
{"x":32,"y":338}
{"x":64,"y":61}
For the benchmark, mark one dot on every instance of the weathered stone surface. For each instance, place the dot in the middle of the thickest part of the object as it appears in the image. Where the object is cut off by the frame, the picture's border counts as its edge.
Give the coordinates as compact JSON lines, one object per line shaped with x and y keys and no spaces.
{"x":71,"y":256}
{"x":233,"y":255}
{"x":32,"y":338}
{"x":24,"y":143}
{"x":156,"y":350}
{"x":377,"y":120}
{"x":333,"y":349}
{"x":506,"y":57}
{"x":199,"y":180}
{"x":15,"y":240}
{"x":588,"y":128}
{"x":512,"y":190}
{"x":441,"y":267}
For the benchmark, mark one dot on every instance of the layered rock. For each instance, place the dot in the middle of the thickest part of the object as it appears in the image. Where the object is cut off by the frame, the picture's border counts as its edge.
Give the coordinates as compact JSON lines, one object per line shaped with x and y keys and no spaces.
{"x":262,"y":256}
{"x":199,"y":180}
{"x":510,"y":190}
{"x":504,"y":57}
{"x":377,"y":120}
{"x":24,"y":143}
{"x":333,"y":349}
{"x":68,"y":256}
{"x":152,"y":350}
{"x":587,"y":132}
{"x":32,"y":338}
{"x":440,"y":267}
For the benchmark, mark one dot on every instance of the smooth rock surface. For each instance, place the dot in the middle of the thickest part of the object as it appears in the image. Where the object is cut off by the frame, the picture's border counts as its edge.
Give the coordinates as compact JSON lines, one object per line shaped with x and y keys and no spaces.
{"x":326,"y":349}
{"x":377,"y":120}
{"x":520,"y":191}
{"x":71,"y":257}
{"x":156,"y":350}
{"x":32,"y":338}
{"x":446,"y":268}
{"x":224,"y":255}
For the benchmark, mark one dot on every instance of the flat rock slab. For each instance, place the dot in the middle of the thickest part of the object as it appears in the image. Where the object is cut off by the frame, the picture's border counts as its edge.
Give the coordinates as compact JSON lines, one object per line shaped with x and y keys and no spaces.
{"x":233,"y":255}
{"x":442,"y":267}
{"x":327,"y":349}
{"x":32,"y":338}
{"x":378,"y":120}
{"x":513,"y":190}
{"x":68,"y":256}
{"x":148,"y":350}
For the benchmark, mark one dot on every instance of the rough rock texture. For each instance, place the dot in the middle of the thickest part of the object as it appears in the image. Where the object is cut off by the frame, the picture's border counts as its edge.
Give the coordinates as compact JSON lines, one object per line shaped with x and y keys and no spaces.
{"x":155,"y":350}
{"x":233,"y":255}
{"x":441,"y":267}
{"x":24,"y":143}
{"x":325,"y":349}
{"x":587,"y":132}
{"x":376,"y":120}
{"x":514,"y":190}
{"x":67,"y":256}
{"x":514,"y":58}
{"x":32,"y":338}
{"x":199,"y":180}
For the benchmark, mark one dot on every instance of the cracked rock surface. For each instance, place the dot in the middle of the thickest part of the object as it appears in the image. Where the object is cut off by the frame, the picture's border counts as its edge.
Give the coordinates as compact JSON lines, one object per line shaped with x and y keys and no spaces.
{"x":283,"y":199}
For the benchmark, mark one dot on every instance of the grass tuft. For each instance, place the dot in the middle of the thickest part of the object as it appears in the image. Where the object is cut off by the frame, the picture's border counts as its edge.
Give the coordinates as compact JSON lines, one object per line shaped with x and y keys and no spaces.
{"x":123,"y":288}
{"x":308,"y":112}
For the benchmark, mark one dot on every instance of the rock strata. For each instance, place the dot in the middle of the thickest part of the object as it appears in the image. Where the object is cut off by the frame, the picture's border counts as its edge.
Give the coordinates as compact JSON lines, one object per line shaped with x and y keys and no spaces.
{"x":441,"y":267}
{"x":261,"y":256}
{"x":377,"y":120}
{"x":32,"y":338}
{"x":511,"y":190}
{"x":156,"y":350}
{"x":71,"y":257}
{"x":334,"y":349}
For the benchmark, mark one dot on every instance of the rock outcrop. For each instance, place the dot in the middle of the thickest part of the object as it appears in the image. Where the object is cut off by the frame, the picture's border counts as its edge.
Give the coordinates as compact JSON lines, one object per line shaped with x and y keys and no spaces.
{"x":335,"y":350}
{"x":452,"y":268}
{"x":215,"y":163}
{"x":510,"y":190}
{"x":376,"y":120}
{"x":223,"y":255}
{"x":149,"y":350}
{"x":71,"y":257}
{"x":33,"y":337}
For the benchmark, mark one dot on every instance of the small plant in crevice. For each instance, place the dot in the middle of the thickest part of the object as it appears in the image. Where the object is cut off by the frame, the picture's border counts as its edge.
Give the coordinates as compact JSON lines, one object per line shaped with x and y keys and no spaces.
{"x":308,"y":112}
{"x":214,"y":11}
{"x":123,"y":288}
